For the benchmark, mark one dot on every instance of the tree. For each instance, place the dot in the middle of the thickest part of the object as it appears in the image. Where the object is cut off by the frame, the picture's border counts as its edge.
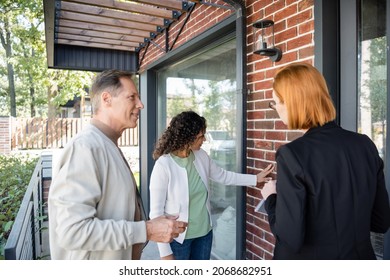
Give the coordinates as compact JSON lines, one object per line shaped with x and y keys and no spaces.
{"x":220,"y":105}
{"x":377,"y":81}
{"x":215,"y":100}
{"x":9,"y":11}
{"x":377,"y":84}
{"x":30,"y":63}
{"x":32,"y":88}
{"x":64,"y":85}
{"x":213,"y":107}
{"x":181,"y":101}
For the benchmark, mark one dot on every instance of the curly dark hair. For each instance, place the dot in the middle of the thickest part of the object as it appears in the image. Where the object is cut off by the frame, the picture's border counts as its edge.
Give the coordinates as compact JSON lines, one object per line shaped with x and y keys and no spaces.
{"x":181,"y":133}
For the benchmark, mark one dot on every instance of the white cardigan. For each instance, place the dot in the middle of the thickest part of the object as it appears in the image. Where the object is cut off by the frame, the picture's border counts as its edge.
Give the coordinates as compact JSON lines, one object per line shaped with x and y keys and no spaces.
{"x":169,"y":186}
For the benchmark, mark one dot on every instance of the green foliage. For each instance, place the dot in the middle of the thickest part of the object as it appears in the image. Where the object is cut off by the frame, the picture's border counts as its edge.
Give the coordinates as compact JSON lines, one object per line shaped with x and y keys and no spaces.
{"x":216,"y":101}
{"x":68,"y":84}
{"x":176,"y":106}
{"x":377,"y":82}
{"x":38,"y":90}
{"x":15,"y":174}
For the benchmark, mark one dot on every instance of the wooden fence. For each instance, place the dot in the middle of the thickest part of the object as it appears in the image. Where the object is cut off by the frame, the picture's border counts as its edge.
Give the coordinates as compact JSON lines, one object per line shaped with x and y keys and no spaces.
{"x":40,"y":133}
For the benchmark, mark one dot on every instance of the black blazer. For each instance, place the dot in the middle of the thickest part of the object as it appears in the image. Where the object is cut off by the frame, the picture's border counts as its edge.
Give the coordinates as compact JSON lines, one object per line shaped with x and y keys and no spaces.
{"x":330,"y":194}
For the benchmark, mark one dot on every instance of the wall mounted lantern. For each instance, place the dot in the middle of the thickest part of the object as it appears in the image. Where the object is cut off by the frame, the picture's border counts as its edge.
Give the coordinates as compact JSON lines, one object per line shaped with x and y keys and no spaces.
{"x":264,"y":40}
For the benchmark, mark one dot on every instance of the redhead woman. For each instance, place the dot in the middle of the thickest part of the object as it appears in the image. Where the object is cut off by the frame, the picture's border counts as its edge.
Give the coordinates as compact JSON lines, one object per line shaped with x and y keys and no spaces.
{"x":330,"y":191}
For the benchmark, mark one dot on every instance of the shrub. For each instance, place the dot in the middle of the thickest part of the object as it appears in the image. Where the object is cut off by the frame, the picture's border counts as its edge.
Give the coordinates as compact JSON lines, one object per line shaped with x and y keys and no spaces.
{"x":15,"y":174}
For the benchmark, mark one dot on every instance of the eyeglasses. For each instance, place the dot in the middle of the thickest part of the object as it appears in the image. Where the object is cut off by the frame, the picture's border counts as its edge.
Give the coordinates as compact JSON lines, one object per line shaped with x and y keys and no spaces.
{"x":200,"y":136}
{"x":272,"y":105}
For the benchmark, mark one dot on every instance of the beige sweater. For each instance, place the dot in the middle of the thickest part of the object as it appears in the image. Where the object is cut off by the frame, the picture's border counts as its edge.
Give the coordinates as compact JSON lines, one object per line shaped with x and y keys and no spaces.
{"x":92,"y":201}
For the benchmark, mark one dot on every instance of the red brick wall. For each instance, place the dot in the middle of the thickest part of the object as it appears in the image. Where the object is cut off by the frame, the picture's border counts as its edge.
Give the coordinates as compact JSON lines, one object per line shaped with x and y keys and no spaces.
{"x":294,"y":35}
{"x":202,"y":18}
{"x":5,"y":135}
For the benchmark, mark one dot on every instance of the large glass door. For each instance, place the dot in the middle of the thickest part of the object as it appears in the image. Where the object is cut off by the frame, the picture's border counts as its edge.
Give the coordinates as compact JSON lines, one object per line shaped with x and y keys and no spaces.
{"x":206,"y":84}
{"x":372,"y":81}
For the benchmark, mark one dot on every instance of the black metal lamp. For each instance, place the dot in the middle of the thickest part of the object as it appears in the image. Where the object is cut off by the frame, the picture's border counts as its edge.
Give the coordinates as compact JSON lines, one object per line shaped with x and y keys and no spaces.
{"x":264,"y":40}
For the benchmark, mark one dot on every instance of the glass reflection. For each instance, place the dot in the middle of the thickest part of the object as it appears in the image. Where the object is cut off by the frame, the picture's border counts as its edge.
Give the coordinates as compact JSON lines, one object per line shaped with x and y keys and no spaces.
{"x":372,"y":88}
{"x":206,"y":84}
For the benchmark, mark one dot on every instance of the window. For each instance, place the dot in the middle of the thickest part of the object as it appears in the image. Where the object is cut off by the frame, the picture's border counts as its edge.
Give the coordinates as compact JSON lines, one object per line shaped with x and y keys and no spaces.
{"x":372,"y":81}
{"x":206,"y":84}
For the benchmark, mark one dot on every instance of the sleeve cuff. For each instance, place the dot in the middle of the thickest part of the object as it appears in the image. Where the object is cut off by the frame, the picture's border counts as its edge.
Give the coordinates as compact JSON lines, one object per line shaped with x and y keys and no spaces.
{"x":164,"y":249}
{"x":139,"y":235}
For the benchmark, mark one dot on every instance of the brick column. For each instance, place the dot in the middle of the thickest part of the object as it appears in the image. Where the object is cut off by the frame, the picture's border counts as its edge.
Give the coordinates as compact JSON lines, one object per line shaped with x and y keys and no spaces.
{"x":5,"y":135}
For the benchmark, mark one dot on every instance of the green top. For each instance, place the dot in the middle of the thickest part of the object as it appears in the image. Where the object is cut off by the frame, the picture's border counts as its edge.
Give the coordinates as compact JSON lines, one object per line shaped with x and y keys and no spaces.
{"x":198,"y":216}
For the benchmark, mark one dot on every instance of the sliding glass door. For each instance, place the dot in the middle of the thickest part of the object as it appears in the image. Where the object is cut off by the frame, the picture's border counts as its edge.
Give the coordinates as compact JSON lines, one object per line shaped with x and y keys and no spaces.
{"x":372,"y":81}
{"x":206,"y":83}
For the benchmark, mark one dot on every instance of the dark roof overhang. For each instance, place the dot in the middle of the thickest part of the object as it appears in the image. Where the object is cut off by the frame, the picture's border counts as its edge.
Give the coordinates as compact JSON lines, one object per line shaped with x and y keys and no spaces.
{"x":99,"y":34}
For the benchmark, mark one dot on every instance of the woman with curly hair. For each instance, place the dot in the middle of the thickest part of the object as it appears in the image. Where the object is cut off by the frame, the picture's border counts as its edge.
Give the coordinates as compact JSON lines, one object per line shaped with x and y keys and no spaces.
{"x":179,"y":186}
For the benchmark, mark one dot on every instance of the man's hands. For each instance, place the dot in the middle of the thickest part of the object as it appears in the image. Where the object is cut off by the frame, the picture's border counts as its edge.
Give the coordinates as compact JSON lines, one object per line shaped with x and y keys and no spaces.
{"x":163,"y":229}
{"x":261,"y":177}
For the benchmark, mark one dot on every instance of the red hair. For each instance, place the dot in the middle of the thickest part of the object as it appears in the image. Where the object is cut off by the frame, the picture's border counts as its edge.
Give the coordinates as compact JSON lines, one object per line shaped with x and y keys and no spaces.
{"x":303,"y":90}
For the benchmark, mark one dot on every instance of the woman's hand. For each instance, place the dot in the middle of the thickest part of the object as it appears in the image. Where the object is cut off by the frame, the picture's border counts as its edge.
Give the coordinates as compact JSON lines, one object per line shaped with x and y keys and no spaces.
{"x":262,"y":176}
{"x":268,"y":189}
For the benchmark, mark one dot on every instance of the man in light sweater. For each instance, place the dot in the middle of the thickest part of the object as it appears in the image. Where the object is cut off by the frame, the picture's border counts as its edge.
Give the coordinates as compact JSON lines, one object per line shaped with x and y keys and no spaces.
{"x":95,"y":211}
